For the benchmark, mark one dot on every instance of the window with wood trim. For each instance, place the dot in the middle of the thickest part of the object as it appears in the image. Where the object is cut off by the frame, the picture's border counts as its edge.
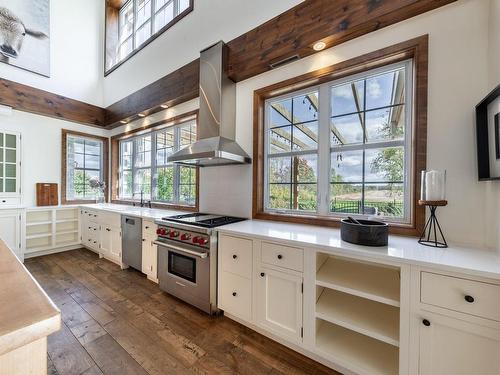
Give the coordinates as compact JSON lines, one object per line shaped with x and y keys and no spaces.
{"x":132,"y":24}
{"x":84,"y":158}
{"x":345,"y":141}
{"x":144,"y":169}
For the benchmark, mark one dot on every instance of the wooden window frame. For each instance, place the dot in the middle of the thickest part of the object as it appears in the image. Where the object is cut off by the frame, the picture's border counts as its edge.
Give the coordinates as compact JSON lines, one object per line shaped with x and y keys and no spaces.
{"x":64,"y":167}
{"x":415,"y":49}
{"x":111,"y":25}
{"x":115,"y":161}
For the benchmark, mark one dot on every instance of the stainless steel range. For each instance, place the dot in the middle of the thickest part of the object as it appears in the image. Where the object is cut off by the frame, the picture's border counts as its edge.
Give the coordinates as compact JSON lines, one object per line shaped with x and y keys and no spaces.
{"x":187,"y":257}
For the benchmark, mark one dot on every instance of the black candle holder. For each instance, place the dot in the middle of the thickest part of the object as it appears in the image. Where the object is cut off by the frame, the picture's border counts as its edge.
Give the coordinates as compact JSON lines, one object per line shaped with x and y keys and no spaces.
{"x":432,"y":225}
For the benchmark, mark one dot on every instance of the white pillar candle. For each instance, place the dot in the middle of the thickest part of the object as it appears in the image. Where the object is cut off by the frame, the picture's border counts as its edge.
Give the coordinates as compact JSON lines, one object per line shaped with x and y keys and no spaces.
{"x":434,"y":186}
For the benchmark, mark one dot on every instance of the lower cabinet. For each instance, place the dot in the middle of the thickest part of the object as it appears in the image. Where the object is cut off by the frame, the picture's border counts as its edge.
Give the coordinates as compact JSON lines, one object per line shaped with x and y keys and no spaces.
{"x":150,"y":259}
{"x":279,"y":303}
{"x":10,"y":230}
{"x":235,"y":295}
{"x":111,"y":243}
{"x":452,"y":346}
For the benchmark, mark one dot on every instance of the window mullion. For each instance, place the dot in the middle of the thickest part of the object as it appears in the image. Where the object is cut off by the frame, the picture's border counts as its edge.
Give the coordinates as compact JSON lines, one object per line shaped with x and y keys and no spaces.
{"x":176,"y":168}
{"x":324,"y":150}
{"x":134,"y":151}
{"x":154,"y":177}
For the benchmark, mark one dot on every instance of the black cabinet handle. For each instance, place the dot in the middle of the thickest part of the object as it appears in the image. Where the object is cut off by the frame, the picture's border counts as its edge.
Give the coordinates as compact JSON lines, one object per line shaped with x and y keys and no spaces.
{"x":109,"y":230}
{"x":262,"y":274}
{"x":143,"y":239}
{"x":147,"y":227}
{"x":426,"y":323}
{"x":235,"y":256}
{"x":469,"y":299}
{"x":280,"y":256}
{"x":234,"y":294}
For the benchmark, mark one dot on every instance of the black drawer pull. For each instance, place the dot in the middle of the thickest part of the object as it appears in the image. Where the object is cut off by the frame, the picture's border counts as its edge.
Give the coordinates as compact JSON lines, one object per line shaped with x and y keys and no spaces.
{"x":469,"y":299}
{"x":109,"y":230}
{"x":426,"y":323}
{"x":280,"y":256}
{"x":234,"y":294}
{"x":262,"y":274}
{"x":147,"y":227}
{"x":235,"y":256}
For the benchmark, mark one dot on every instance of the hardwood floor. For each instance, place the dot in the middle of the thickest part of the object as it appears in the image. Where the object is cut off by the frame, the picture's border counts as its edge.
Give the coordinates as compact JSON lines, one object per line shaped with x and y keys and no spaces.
{"x":118,"y":322}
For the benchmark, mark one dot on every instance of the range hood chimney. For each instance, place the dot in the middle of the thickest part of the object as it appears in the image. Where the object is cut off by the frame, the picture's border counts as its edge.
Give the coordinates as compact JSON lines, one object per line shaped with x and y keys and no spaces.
{"x":217,"y":116}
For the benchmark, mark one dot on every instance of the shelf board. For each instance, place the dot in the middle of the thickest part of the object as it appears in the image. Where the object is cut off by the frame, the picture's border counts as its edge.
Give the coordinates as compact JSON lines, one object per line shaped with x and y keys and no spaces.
{"x":373,"y":282}
{"x":33,"y":223}
{"x":40,"y":235}
{"x":66,"y":221}
{"x":66,"y":232}
{"x":66,"y":243}
{"x":359,"y":353}
{"x":38,"y":248}
{"x":373,"y":319}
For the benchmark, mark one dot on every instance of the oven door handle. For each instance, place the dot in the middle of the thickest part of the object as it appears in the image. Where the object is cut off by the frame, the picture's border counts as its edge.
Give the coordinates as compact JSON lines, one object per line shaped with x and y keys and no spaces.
{"x":190,"y":252}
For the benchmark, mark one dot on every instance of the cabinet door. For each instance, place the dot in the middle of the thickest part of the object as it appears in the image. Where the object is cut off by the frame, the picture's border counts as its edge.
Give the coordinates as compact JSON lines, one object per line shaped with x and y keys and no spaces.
{"x":279,"y":303}
{"x":115,"y":251}
{"x":452,"y":346}
{"x":10,"y":231}
{"x":146,"y":256}
{"x":106,"y":241}
{"x":10,"y":164}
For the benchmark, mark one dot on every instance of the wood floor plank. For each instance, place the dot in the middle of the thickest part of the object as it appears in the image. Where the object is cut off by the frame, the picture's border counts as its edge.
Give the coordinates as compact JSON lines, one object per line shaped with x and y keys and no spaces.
{"x":88,"y":331}
{"x":111,"y":358}
{"x":118,"y":322}
{"x":67,"y":354}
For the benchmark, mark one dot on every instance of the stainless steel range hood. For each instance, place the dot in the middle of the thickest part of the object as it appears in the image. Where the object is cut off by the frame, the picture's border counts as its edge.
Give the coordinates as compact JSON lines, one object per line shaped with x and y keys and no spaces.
{"x":217,"y":116}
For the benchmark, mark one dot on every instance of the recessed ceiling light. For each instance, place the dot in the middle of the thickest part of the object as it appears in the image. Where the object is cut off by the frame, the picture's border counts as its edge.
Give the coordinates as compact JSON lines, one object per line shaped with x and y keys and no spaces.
{"x":319,"y":46}
{"x":164,"y":106}
{"x":141,"y":115}
{"x":123,"y":121}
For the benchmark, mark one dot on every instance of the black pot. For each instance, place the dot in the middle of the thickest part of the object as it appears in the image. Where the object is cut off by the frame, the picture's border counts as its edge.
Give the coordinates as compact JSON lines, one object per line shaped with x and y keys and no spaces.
{"x":367,"y":232}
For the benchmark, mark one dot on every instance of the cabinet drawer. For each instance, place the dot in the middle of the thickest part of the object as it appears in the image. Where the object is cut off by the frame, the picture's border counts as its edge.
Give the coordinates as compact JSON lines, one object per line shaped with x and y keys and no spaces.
{"x":10,"y":201}
{"x":149,"y":229}
{"x":235,"y":295}
{"x":282,"y":256}
{"x":108,"y":219}
{"x":462,"y":295}
{"x":236,"y":255}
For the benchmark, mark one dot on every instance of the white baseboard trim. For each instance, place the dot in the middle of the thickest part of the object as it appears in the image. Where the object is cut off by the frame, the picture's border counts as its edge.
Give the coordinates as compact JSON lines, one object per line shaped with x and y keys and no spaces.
{"x":52,"y":251}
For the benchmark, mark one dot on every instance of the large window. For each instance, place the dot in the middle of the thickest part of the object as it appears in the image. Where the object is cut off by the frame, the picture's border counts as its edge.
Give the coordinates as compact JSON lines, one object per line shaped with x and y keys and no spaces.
{"x":141,"y":20}
{"x":343,"y":147}
{"x":144,"y":169}
{"x":85,"y":159}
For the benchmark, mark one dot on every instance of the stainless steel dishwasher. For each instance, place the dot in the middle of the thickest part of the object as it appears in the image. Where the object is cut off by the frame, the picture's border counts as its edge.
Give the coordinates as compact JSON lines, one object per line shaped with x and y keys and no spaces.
{"x":132,"y":242}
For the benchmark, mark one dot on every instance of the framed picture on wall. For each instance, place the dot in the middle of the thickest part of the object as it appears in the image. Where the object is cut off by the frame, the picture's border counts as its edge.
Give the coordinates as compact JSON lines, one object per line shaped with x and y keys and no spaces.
{"x":24,"y":34}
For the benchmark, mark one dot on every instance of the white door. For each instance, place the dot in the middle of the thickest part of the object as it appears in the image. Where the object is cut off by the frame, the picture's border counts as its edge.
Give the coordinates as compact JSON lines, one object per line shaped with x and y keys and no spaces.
{"x":84,"y":227}
{"x":455,"y":347}
{"x":10,"y":231}
{"x":279,"y":303}
{"x":106,"y":241}
{"x":146,"y":256}
{"x":115,"y":251}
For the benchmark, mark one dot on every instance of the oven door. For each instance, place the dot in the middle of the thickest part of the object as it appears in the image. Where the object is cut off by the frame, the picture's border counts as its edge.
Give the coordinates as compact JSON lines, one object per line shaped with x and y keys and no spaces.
{"x":184,"y":271}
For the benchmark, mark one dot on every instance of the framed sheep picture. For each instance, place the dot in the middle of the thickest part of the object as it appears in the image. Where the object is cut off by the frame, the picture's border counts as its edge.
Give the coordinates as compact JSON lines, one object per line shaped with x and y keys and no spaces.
{"x":24,"y":34}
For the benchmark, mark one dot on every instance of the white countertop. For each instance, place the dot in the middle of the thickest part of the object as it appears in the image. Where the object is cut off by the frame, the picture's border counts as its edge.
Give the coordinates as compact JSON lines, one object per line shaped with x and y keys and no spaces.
{"x":143,"y":212}
{"x":478,"y":262}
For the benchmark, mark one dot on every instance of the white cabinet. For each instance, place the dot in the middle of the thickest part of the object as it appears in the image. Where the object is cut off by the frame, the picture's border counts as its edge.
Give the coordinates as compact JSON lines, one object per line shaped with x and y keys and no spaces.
{"x":10,"y":230}
{"x":110,"y":243}
{"x":452,"y":346}
{"x":10,"y":169}
{"x":150,"y":259}
{"x":149,"y":250}
{"x":279,"y":303}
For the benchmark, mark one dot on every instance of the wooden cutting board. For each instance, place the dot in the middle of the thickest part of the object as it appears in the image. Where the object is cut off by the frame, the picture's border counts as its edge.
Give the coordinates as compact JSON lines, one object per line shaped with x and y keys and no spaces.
{"x":46,"y":194}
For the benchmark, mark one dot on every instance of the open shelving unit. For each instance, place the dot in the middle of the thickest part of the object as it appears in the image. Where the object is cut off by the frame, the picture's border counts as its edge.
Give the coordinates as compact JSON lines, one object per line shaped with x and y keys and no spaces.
{"x":51,"y":227}
{"x":358,"y":313}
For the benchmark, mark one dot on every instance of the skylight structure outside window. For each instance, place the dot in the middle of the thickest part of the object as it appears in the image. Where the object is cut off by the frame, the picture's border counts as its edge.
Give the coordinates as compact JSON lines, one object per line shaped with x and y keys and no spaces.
{"x":342,"y":148}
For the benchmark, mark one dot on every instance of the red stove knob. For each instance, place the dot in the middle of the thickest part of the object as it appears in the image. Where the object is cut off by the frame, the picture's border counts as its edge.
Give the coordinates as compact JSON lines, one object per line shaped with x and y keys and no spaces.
{"x":196,"y":239}
{"x":174,"y":234}
{"x":163,"y":232}
{"x":203,"y":241}
{"x":185,"y":237}
{"x":158,"y":231}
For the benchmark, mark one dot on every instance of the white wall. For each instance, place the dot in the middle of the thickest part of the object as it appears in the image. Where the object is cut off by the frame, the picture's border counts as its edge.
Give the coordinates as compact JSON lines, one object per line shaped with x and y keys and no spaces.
{"x":209,"y":22}
{"x":458,"y":80}
{"x":41,"y":148}
{"x":76,"y":39}
{"x":494,"y":43}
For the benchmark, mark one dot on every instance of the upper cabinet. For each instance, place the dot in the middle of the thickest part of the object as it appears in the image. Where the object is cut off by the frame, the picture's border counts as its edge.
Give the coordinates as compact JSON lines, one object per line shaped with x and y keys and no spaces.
{"x":10,"y":169}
